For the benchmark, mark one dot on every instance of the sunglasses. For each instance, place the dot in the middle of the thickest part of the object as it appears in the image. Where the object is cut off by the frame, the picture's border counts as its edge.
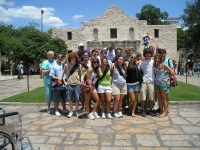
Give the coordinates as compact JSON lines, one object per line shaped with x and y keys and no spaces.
{"x":94,"y":62}
{"x":133,"y":57}
{"x":60,"y":57}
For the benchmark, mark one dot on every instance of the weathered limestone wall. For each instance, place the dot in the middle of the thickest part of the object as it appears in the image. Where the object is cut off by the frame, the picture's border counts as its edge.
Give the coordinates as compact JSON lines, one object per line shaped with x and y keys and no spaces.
{"x":113,"y":17}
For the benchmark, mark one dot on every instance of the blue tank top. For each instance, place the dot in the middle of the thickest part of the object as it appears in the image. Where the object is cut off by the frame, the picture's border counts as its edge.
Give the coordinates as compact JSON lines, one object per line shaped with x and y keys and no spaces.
{"x":159,"y":75}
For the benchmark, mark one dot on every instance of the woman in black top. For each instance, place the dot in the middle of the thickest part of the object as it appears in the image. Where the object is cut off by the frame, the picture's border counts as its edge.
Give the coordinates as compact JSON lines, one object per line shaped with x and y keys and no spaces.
{"x":133,"y":84}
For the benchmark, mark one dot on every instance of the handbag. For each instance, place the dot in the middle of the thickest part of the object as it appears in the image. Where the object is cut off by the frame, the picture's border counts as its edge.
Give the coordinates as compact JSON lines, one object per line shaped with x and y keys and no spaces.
{"x":173,"y":81}
{"x":85,"y":88}
{"x":56,"y":83}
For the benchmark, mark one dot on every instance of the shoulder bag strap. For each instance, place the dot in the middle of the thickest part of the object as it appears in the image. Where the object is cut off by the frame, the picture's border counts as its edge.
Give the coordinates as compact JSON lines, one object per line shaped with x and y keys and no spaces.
{"x":105,"y":72}
{"x":120,"y":71}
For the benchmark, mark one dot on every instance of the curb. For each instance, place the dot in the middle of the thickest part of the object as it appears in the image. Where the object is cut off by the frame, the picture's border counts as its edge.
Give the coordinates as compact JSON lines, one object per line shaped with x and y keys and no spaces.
{"x":44,"y":104}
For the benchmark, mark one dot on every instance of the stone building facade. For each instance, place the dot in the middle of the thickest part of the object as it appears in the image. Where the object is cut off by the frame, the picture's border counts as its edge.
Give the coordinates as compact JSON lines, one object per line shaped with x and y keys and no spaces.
{"x":124,"y":31}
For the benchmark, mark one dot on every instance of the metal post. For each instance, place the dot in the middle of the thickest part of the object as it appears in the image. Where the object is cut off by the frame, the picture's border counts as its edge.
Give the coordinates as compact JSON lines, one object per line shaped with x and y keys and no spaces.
{"x":0,"y":61}
{"x":27,"y":79}
{"x":41,"y":19}
{"x":186,"y":70}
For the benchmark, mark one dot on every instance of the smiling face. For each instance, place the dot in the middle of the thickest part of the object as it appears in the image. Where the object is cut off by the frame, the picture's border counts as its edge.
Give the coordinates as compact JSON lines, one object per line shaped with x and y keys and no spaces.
{"x":85,"y":56}
{"x":104,"y":62}
{"x":120,"y":60}
{"x":133,"y":58}
{"x":50,"y":57}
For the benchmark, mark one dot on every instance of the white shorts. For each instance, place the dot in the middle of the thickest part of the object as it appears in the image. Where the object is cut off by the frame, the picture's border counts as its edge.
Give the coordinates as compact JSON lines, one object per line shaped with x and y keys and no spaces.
{"x":104,"y":89}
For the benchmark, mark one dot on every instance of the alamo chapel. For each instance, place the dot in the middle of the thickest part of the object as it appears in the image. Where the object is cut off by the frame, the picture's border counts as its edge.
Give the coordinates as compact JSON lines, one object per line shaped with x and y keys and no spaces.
{"x":124,"y":31}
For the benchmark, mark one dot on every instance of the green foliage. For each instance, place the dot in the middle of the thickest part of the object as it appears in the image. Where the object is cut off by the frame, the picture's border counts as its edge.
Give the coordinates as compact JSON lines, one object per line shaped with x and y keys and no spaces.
{"x":182,"y":37}
{"x":28,"y":43}
{"x":152,"y":14}
{"x":191,"y":18}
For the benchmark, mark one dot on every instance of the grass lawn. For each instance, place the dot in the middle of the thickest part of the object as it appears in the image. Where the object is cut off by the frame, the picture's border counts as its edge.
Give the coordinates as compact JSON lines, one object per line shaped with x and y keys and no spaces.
{"x":183,"y":92}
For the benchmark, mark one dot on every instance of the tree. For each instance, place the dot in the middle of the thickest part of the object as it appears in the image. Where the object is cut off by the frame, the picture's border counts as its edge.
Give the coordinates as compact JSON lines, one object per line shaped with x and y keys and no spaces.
{"x":152,"y":14}
{"x":182,"y":37}
{"x":28,"y":44}
{"x":191,"y":18}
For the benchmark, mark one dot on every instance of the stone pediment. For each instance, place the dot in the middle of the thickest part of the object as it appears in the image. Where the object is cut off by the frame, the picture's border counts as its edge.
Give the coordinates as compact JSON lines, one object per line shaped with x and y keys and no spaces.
{"x":113,"y":14}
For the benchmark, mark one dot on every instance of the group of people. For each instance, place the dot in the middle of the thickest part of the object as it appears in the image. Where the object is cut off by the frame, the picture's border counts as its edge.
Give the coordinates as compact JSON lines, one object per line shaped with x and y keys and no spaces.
{"x":104,"y":74}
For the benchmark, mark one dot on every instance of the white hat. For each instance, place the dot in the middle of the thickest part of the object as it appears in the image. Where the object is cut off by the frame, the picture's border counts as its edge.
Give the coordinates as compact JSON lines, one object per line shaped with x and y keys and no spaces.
{"x":80,"y":44}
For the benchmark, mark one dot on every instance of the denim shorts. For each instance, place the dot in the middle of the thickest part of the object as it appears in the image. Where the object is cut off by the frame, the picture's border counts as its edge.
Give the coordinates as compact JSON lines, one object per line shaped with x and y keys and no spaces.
{"x":134,"y":88}
{"x":73,"y":92}
{"x":59,"y":94}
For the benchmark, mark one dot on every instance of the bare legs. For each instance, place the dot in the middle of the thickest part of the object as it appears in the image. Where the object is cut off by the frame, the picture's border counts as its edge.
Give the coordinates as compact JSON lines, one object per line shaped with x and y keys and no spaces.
{"x":133,"y":101}
{"x":108,"y":102}
{"x":163,"y":103}
{"x":118,"y":102}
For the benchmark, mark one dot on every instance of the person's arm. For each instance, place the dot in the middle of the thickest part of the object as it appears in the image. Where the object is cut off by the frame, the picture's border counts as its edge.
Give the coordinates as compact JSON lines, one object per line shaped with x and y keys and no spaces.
{"x":52,"y":74}
{"x":88,"y":74}
{"x":171,"y":72}
{"x":64,"y":72}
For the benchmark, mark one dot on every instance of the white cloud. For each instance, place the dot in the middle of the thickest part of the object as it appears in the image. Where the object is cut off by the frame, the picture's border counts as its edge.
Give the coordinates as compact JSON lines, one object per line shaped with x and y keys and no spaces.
{"x":8,"y":3}
{"x":77,"y":17}
{"x":31,"y":12}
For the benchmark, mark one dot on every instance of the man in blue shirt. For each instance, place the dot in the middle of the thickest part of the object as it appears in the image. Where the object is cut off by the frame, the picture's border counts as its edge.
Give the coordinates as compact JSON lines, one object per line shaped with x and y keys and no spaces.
{"x":59,"y":92}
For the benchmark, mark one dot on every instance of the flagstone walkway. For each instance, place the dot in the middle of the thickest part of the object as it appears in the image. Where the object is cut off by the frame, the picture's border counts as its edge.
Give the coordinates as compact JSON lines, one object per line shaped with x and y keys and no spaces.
{"x":179,"y":131}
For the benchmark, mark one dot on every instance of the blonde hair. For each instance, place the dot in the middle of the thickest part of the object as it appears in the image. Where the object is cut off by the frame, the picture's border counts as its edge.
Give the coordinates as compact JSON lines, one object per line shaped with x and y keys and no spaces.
{"x":50,"y":52}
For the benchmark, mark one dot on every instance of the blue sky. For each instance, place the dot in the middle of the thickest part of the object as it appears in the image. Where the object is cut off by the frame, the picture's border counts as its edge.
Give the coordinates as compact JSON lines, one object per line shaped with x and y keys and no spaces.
{"x":70,"y":13}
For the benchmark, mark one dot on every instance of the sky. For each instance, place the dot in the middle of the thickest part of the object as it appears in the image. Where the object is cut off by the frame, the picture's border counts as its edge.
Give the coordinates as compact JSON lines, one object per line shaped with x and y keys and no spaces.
{"x":70,"y":13}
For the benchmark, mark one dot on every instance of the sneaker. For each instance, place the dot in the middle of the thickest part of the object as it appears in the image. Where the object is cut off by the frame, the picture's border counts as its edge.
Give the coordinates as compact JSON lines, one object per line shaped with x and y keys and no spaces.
{"x":65,"y":111}
{"x":143,"y":113}
{"x":76,"y":113}
{"x":96,"y":115}
{"x":48,"y":110}
{"x":120,"y":114}
{"x":91,"y":116}
{"x":57,"y":113}
{"x":155,"y":107}
{"x":152,"y":114}
{"x":116,"y":115}
{"x":103,"y":115}
{"x":70,"y":114}
{"x":109,"y":116}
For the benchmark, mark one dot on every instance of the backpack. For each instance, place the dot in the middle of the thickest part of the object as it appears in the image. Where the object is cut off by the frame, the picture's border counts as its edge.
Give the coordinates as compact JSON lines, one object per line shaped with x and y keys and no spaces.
{"x":173,"y":80}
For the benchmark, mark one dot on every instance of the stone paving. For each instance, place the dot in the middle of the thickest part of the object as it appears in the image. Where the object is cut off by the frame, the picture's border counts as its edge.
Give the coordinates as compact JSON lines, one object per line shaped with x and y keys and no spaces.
{"x":179,"y":131}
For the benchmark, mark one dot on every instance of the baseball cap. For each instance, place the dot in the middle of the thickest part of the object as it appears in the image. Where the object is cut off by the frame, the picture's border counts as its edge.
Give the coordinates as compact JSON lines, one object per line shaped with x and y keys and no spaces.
{"x":80,"y":44}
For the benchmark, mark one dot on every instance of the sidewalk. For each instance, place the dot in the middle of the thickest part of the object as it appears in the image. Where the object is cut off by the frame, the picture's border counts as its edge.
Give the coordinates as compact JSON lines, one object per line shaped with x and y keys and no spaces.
{"x":10,"y":86}
{"x":194,"y":80}
{"x":180,"y":130}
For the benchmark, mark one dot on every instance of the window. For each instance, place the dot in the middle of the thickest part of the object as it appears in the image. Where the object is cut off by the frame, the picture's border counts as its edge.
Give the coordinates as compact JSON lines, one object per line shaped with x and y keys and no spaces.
{"x":95,"y":33}
{"x":113,"y":33}
{"x":156,"y":33}
{"x":131,"y":33}
{"x":69,"y":35}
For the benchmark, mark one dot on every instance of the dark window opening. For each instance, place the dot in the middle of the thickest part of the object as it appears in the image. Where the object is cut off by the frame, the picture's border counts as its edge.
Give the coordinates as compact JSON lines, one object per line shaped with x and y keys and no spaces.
{"x":156,"y":33}
{"x":69,"y":35}
{"x":113,"y":33}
